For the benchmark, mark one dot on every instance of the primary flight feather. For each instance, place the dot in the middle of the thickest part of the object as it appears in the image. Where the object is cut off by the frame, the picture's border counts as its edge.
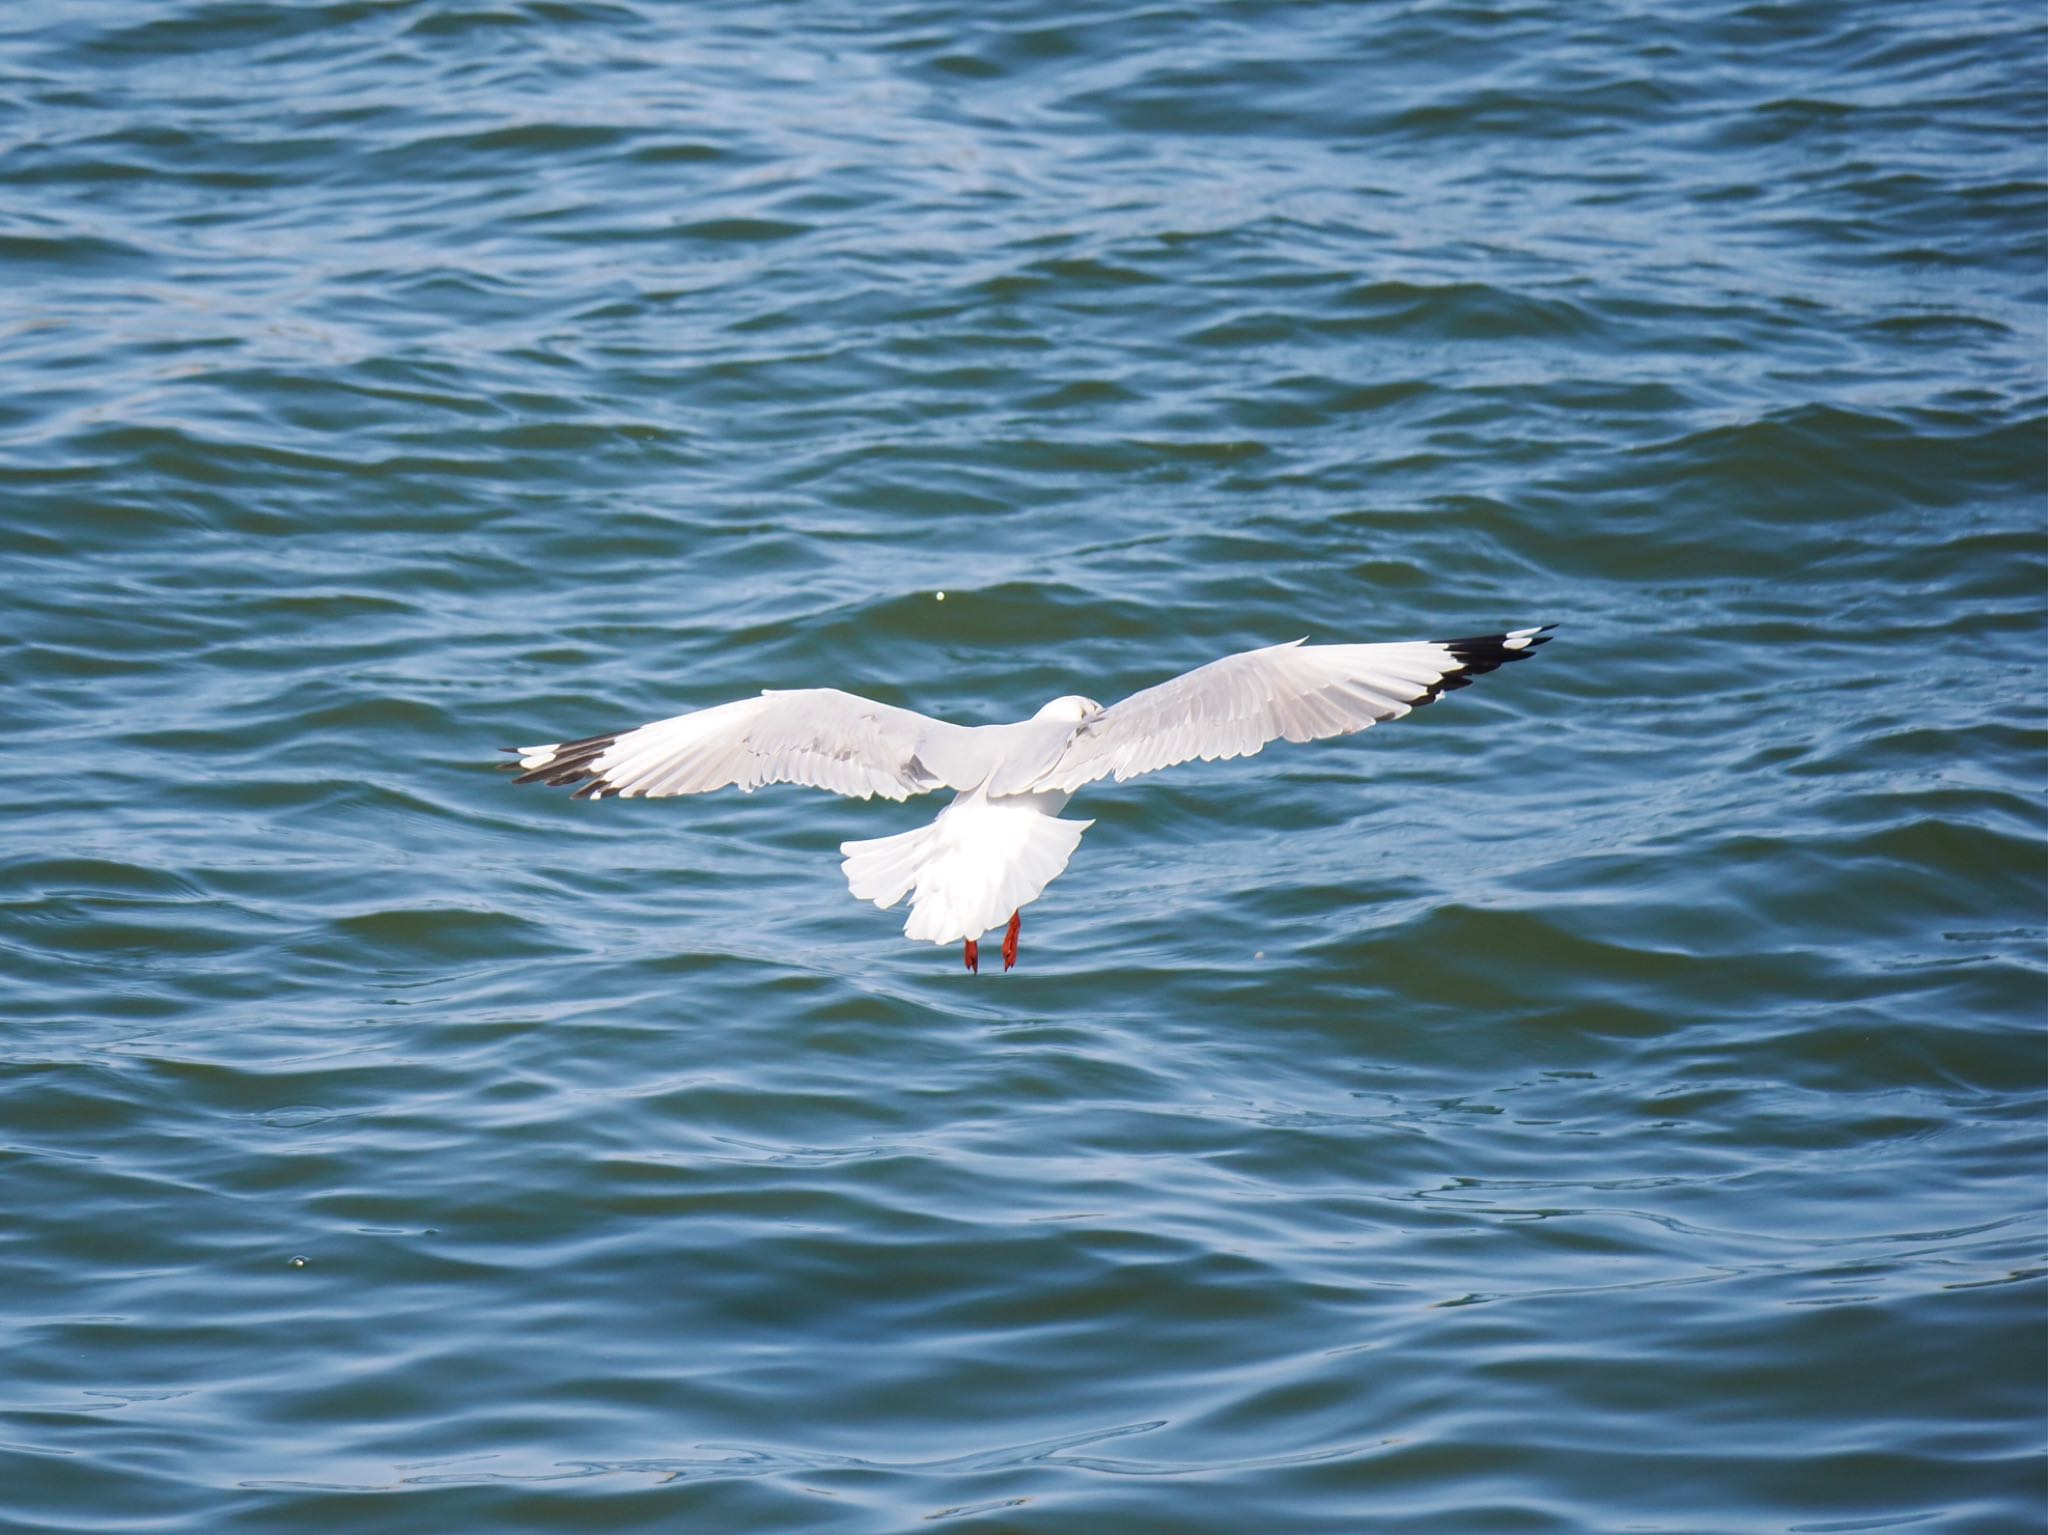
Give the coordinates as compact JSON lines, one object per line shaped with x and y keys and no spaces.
{"x":1002,"y":840}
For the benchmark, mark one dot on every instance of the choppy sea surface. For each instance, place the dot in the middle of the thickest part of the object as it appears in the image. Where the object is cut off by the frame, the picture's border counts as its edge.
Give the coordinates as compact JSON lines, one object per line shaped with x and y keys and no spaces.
{"x":1611,"y":1100}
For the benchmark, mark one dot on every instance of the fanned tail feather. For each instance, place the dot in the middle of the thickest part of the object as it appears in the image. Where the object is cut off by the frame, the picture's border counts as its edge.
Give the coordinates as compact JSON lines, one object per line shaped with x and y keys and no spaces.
{"x":883,"y":869}
{"x":967,"y":871}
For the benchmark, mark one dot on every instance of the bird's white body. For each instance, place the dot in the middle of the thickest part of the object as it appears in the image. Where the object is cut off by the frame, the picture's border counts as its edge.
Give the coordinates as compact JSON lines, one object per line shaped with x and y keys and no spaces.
{"x":981,"y":860}
{"x":1002,"y":840}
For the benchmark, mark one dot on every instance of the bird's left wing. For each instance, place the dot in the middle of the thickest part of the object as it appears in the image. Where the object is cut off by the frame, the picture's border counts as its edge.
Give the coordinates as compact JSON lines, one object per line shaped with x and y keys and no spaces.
{"x":820,"y":737}
{"x":1233,"y":707}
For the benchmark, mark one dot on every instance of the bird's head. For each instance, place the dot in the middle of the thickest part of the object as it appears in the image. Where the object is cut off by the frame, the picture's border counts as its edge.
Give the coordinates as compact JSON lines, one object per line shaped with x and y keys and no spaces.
{"x":1073,"y":709}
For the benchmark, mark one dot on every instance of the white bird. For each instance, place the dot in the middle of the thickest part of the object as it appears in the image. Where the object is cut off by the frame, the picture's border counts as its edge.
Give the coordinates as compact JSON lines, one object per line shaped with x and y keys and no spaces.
{"x":1002,"y":840}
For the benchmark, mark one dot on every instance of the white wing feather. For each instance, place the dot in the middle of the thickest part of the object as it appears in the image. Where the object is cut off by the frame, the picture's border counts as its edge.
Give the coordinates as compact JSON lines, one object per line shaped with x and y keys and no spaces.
{"x":819,"y":737}
{"x":1296,"y":692}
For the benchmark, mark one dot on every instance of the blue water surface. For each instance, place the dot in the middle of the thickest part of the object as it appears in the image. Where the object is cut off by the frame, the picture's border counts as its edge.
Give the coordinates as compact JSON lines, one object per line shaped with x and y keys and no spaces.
{"x":1611,"y":1100}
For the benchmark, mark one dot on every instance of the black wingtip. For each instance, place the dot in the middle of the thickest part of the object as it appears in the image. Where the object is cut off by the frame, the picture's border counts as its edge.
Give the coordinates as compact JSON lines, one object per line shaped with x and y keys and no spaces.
{"x":570,"y":762}
{"x":1479,"y":654}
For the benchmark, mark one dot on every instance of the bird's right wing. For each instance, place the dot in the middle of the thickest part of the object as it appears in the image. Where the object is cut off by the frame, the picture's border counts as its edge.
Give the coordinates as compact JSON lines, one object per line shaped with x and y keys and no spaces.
{"x":1233,"y":707}
{"x":820,"y":737}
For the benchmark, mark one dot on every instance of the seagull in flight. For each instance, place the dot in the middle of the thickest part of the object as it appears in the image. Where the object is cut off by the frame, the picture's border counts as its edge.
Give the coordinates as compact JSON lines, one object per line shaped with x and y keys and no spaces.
{"x":1002,"y":840}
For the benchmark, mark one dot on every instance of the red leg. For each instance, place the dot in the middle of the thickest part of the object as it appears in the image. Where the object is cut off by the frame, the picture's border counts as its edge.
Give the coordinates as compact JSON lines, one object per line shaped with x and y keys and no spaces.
{"x":1010,"y":939}
{"x":974,"y":956}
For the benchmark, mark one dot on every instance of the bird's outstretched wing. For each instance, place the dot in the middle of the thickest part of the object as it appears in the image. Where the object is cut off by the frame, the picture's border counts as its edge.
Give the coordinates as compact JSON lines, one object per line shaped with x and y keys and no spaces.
{"x":819,"y":737}
{"x":1233,"y":707}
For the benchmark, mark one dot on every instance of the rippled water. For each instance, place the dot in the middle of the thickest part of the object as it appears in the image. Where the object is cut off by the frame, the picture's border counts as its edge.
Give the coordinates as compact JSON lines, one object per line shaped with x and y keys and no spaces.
{"x":1611,"y":1100}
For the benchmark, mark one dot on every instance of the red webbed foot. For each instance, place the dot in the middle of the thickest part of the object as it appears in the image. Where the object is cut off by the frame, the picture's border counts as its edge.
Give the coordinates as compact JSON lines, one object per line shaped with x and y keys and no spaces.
{"x":974,"y":956}
{"x":1010,"y":939}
